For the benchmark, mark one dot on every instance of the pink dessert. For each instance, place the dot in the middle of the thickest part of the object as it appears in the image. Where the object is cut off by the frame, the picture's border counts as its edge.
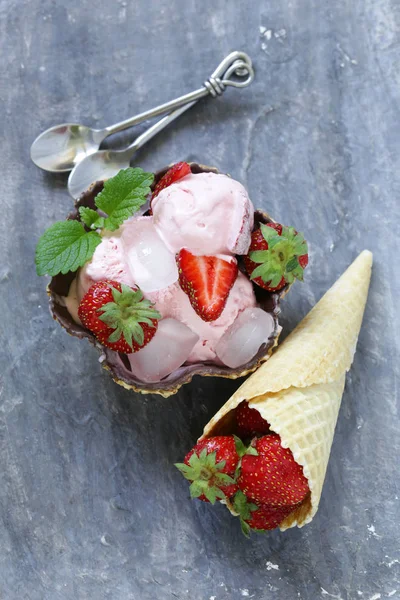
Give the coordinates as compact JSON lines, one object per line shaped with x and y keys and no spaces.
{"x":208,"y":214}
{"x":171,"y":275}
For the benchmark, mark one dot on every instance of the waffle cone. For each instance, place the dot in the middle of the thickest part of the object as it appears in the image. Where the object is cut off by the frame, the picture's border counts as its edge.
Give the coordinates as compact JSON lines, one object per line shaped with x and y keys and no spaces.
{"x":299,"y":390}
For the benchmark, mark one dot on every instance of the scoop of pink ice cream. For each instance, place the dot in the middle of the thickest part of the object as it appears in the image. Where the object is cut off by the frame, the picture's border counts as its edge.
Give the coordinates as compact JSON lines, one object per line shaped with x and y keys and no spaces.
{"x":134,"y":254}
{"x":173,"y":302}
{"x":207,"y":213}
{"x":108,"y":262}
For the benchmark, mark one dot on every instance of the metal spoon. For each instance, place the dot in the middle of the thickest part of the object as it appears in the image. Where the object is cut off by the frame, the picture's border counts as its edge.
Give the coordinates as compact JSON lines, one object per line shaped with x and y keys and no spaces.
{"x":60,"y":148}
{"x":106,"y":163}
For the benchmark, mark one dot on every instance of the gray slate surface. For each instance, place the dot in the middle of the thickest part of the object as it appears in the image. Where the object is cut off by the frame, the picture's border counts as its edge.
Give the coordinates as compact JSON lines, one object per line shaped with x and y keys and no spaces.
{"x":90,"y":504}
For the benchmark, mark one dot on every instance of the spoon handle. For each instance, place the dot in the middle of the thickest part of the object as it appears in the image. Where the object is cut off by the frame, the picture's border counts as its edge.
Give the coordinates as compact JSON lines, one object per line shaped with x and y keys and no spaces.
{"x":153,"y":130}
{"x":237,"y":63}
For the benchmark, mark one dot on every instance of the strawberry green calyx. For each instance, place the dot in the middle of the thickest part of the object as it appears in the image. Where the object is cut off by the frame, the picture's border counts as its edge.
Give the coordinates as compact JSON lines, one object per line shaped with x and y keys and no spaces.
{"x":126,"y":313}
{"x":243,"y":508}
{"x":206,"y":476}
{"x":282,"y":259}
{"x":242,"y":450}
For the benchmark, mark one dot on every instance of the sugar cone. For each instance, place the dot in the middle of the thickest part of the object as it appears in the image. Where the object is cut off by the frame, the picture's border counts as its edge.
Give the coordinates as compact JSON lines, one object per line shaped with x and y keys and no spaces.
{"x":299,"y":390}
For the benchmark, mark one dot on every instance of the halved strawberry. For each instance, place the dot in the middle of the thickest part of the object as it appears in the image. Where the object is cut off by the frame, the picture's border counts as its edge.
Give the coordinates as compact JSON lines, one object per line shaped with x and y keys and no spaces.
{"x":207,"y":280}
{"x":119,"y":316}
{"x":272,"y":477}
{"x":173,"y":174}
{"x":277,"y":256}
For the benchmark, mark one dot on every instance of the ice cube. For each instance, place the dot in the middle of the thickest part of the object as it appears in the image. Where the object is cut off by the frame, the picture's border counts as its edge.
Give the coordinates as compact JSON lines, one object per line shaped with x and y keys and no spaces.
{"x":242,"y":340}
{"x":168,"y":350}
{"x":152,"y":265}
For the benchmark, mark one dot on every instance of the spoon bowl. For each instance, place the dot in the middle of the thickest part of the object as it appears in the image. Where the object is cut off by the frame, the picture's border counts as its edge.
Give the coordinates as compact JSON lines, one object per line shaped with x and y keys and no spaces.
{"x":60,"y":148}
{"x":106,"y":163}
{"x":100,"y":165}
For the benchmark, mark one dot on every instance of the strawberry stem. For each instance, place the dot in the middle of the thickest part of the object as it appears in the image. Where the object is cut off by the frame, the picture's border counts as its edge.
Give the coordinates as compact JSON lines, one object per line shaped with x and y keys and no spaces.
{"x":125,"y":314}
{"x":206,"y":477}
{"x":281,"y":259}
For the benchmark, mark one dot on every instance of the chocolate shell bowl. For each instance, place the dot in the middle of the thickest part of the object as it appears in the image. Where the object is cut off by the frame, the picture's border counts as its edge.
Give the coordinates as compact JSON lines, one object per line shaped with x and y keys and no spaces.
{"x":116,"y":363}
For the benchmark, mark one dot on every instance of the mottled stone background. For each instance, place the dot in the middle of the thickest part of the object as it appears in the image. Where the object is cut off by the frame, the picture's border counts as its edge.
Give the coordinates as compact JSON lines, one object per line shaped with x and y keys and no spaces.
{"x":90,"y":504}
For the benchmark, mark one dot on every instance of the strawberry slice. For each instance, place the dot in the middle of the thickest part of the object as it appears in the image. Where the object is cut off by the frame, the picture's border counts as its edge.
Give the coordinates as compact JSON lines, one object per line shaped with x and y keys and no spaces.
{"x":207,"y":280}
{"x":174,"y":174}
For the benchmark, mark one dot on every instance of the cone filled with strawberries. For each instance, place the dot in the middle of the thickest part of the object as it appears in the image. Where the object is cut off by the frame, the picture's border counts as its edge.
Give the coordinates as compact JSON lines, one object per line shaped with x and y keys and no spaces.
{"x":171,"y":275}
{"x":265,"y":453}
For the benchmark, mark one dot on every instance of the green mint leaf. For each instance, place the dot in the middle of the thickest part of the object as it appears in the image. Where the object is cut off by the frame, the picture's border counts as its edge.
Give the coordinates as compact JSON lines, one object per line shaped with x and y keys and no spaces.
{"x":65,"y":246}
{"x":91,"y":218}
{"x":123,"y":195}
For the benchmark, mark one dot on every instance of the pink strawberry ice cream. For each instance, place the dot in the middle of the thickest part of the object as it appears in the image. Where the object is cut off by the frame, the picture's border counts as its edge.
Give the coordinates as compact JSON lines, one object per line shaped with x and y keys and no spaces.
{"x":206,"y":213}
{"x":173,"y":302}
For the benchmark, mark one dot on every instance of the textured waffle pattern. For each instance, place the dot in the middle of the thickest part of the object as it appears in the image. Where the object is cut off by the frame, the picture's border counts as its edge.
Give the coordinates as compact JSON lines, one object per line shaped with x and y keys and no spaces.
{"x":322,"y":346}
{"x":299,"y":390}
{"x":305,"y":418}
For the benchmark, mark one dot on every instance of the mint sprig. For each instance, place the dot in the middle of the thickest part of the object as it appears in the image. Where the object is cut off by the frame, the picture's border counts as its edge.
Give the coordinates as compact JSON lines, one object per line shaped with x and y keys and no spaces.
{"x":123,"y":195}
{"x":91,"y":218}
{"x":67,"y":245}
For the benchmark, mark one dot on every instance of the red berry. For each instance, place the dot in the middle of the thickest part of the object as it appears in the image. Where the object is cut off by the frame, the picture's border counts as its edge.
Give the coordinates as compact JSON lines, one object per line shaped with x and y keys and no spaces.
{"x":207,"y":280}
{"x":118,"y":316}
{"x":273,"y":477}
{"x":249,"y":422}
{"x":303,"y":261}
{"x":277,"y":256}
{"x":174,"y":174}
{"x":211,"y":466}
{"x":268,"y":517}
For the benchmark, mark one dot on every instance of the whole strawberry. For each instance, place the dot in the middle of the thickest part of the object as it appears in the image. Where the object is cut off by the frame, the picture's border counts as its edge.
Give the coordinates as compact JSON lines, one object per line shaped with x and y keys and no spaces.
{"x":277,"y":256}
{"x":272,"y":477}
{"x":268,"y":517}
{"x":174,"y":174}
{"x":258,"y":517}
{"x":119,"y":316}
{"x":211,"y":467}
{"x":249,"y":422}
{"x":207,"y":280}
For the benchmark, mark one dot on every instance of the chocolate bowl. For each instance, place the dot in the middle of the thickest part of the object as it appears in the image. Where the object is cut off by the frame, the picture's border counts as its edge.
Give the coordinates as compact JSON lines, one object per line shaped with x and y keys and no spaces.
{"x":116,"y":363}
